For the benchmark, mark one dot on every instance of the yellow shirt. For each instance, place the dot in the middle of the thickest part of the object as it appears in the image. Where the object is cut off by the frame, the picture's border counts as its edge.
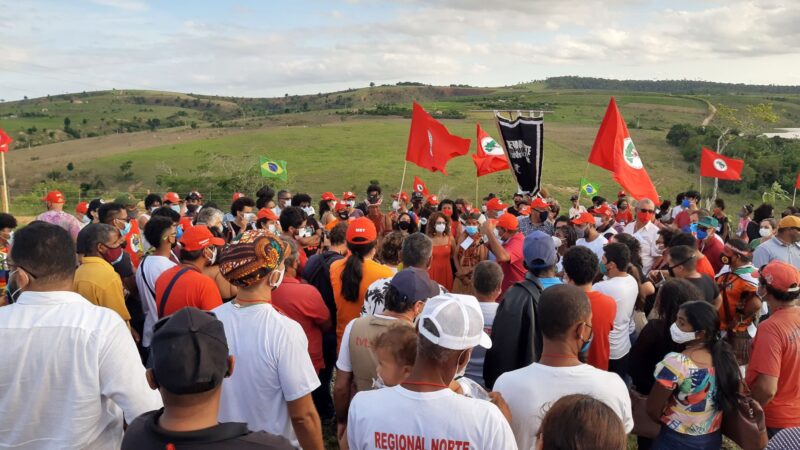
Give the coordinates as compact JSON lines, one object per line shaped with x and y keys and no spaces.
{"x":97,"y":282}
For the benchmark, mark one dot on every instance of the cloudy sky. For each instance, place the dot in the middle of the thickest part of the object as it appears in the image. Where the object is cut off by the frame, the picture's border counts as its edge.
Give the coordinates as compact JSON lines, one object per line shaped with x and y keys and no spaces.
{"x":271,"y":47}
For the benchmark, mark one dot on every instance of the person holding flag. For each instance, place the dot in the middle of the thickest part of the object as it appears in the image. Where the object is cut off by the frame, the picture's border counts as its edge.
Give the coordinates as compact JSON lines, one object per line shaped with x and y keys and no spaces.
{"x":576,"y":208}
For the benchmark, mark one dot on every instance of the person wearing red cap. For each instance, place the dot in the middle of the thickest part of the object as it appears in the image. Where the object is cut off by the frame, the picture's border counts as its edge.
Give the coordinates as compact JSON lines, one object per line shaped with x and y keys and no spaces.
{"x":604,"y":220}
{"x":399,"y":207}
{"x":185,"y":284}
{"x":173,"y":200}
{"x":505,"y":243}
{"x":623,"y":215}
{"x":55,"y":214}
{"x":775,"y":356}
{"x":494,"y":208}
{"x":327,"y":208}
{"x":351,"y":276}
{"x":587,"y":234}
{"x":267,"y":220}
{"x":537,"y":220}
{"x":80,"y":213}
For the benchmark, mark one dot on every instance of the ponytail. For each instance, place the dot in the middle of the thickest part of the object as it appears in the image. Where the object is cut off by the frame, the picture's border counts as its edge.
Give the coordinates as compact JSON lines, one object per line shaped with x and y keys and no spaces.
{"x":727,"y":373}
{"x":354,"y":270}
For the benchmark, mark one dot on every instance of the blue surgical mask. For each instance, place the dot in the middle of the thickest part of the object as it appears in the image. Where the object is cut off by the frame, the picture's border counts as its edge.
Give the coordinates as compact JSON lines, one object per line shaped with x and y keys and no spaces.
{"x":179,"y":232}
{"x":693,"y":228}
{"x":471,"y":229}
{"x":685,"y":203}
{"x":585,"y":347}
{"x":127,"y":229}
{"x":603,"y":269}
{"x":702,"y":234}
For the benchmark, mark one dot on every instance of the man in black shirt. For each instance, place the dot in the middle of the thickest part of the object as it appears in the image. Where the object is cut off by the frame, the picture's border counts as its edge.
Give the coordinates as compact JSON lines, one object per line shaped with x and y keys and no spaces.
{"x":189,"y":359}
{"x":683,"y":264}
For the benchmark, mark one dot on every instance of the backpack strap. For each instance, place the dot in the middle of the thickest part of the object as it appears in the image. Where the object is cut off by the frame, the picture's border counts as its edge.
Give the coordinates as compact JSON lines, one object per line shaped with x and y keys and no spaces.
{"x":144,"y":277}
{"x":168,"y":290}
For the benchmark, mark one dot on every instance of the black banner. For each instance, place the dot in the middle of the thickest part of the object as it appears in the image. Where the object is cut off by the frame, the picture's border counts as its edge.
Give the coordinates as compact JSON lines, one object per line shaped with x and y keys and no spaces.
{"x":523,"y":141}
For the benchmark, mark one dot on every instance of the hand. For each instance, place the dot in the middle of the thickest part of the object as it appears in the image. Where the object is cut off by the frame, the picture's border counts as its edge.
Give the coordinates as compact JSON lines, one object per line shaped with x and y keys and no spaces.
{"x":136,"y":337}
{"x":341,"y":436}
{"x":487,"y":228}
{"x":500,"y":402}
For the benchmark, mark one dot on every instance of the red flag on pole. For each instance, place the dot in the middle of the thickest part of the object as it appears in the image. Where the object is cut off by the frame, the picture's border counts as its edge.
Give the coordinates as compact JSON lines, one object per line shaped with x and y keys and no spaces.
{"x":430,"y":145}
{"x":5,"y":141}
{"x":419,"y":186}
{"x":489,"y":157}
{"x":797,"y":184}
{"x":714,"y":165}
{"x":614,"y":151}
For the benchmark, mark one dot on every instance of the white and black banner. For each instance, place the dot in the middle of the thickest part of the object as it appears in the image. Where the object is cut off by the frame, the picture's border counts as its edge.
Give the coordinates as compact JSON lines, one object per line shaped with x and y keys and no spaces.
{"x":523,"y":139}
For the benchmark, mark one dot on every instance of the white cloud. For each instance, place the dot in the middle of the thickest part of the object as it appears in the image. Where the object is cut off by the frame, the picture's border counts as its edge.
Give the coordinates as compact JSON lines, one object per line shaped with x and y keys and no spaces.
{"x":124,"y":5}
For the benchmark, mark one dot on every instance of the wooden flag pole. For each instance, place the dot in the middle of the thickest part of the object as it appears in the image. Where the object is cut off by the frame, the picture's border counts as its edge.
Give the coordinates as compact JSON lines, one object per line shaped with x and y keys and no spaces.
{"x":794,"y":197}
{"x":478,"y":196}
{"x":5,"y":185}
{"x":402,"y":180}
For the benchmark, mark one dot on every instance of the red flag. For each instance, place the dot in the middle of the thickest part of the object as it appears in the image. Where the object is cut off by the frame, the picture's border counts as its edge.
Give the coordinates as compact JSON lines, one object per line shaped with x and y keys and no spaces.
{"x":614,"y":151}
{"x":797,"y":184}
{"x":5,"y":140}
{"x":419,"y":186}
{"x":430,"y":145}
{"x":489,"y":157}
{"x":714,"y":165}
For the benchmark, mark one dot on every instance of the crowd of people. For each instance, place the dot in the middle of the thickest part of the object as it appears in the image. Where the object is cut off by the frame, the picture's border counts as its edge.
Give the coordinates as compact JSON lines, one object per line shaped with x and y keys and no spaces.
{"x":168,"y":322}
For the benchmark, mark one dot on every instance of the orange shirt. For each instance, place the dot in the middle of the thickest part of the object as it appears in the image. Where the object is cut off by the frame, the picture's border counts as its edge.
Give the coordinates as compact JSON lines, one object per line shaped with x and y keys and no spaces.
{"x":738,"y":290}
{"x":192,"y":289}
{"x":704,"y":267}
{"x":604,"y":309}
{"x":347,"y":310}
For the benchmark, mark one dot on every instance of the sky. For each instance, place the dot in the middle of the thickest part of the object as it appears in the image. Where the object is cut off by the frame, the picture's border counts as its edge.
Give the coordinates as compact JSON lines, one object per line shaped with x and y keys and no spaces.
{"x":270,"y":48}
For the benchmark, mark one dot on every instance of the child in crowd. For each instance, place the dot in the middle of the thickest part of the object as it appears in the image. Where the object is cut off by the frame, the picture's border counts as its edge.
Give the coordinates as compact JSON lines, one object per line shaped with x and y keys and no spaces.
{"x":395,"y":351}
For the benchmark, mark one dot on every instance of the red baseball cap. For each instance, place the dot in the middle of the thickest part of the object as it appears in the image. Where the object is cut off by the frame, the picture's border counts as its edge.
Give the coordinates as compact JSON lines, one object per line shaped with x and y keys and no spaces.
{"x":341,"y":206}
{"x":524,"y":210}
{"x":361,"y":231}
{"x":348,"y":195}
{"x":539,"y":202}
{"x":781,"y":276}
{"x":508,"y":221}
{"x":495,"y":204}
{"x":621,"y":194}
{"x":266,"y":213}
{"x":583,"y":218}
{"x":327,"y":196}
{"x":171,"y":197}
{"x":433,"y":200}
{"x":82,"y":207}
{"x":199,"y":237}
{"x":602,"y":210}
{"x":237,"y":195}
{"x":403,"y":197}
{"x":54,"y":197}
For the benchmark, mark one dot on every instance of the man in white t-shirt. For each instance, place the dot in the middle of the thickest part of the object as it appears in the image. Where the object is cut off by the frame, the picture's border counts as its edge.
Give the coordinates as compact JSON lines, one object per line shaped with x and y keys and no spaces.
{"x":588,"y":236}
{"x":487,"y":279}
{"x":576,"y":207}
{"x":624,"y":289}
{"x":271,"y":387}
{"x":162,"y":234}
{"x":565,"y":319}
{"x":646,"y":232}
{"x":422,"y":412}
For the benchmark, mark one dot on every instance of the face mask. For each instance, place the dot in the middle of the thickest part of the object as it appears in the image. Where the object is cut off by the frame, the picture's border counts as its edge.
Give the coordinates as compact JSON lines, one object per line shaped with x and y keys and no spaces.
{"x":557,"y":241}
{"x":179,"y":232}
{"x":176,"y":208}
{"x":702,"y":234}
{"x":679,"y":336}
{"x":191,"y":208}
{"x":280,"y":279}
{"x":86,"y":219}
{"x":309,"y":210}
{"x":404,"y":226}
{"x":764,"y":232}
{"x":113,"y":255}
{"x":302,"y":233}
{"x":351,"y":203}
{"x":585,"y":346}
{"x":603,"y":268}
{"x":213,"y":258}
{"x":644,"y":217}
{"x":423,"y":221}
{"x":271,"y":228}
{"x":332,"y":206}
{"x":460,"y":371}
{"x":496,"y":233}
{"x":153,"y":209}
{"x":685,"y":203}
{"x":395,"y":205}
{"x":544,"y":215}
{"x":471,"y":229}
{"x":693,"y":228}
{"x":483,"y":208}
{"x":440,"y":227}
{"x":598,"y":222}
{"x":580,"y":232}
{"x":126,"y":230}
{"x":249,"y":217}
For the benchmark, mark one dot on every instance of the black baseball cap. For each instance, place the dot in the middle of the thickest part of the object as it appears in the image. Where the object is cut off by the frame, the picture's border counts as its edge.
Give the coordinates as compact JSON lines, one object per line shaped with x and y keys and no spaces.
{"x":189,"y":352}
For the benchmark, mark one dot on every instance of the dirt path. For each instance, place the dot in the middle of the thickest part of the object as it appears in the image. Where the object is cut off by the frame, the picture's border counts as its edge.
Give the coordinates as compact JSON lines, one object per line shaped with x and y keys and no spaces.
{"x":712,"y":111}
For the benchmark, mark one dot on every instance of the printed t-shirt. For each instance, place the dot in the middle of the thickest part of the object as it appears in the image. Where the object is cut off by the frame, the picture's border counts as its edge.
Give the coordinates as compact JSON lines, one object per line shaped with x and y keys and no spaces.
{"x":691,"y":409}
{"x":347,"y":310}
{"x":191,"y":289}
{"x":604,"y":310}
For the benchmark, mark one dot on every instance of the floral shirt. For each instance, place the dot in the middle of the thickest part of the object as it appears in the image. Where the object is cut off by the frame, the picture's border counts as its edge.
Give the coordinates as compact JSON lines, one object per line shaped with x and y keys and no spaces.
{"x":691,"y":409}
{"x":63,"y":220}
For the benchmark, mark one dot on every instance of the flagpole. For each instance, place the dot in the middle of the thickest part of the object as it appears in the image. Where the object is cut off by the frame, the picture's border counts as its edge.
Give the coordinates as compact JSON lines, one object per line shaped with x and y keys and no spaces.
{"x":403,"y":179}
{"x":580,"y":188}
{"x":5,"y":185}
{"x":478,"y":196}
{"x":794,"y":197}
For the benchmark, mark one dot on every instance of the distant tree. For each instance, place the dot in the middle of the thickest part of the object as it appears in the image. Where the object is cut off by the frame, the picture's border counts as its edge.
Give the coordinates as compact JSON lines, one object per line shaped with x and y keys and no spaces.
{"x":84,"y":121}
{"x":70,"y":166}
{"x":126,"y":169}
{"x":371,"y":84}
{"x":67,"y":123}
{"x":193,"y":124}
{"x":54,"y":175}
{"x":25,"y":97}
{"x":153,"y":123}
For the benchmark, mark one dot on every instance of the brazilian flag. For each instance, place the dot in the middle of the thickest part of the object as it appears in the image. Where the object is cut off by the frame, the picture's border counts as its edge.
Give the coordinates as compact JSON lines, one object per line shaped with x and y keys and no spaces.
{"x":588,"y":188}
{"x":271,"y":168}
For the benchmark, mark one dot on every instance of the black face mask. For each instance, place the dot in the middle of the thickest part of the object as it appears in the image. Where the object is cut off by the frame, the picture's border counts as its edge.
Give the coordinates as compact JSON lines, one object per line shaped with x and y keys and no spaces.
{"x":344,"y":215}
{"x":191,"y":208}
{"x":372,"y":199}
{"x":544,"y":215}
{"x":403,"y":226}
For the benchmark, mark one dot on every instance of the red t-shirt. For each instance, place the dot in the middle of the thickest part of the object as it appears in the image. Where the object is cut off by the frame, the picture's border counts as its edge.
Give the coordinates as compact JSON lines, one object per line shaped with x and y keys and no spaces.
{"x":683,"y":219}
{"x":705,"y":267}
{"x":303,"y":303}
{"x":513,"y":270}
{"x":192,"y":289}
{"x":604,"y":309}
{"x":712,"y":251}
{"x":776,"y":353}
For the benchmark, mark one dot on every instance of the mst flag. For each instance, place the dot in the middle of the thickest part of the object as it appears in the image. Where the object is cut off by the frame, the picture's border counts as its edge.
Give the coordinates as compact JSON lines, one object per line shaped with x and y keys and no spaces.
{"x":489,"y":157}
{"x":588,"y":188}
{"x":523,"y":140}
{"x":430,"y":145}
{"x":5,"y":140}
{"x":714,"y":165}
{"x":614,"y":151}
{"x":797,"y":184}
{"x":271,"y":168}
{"x":419,"y":186}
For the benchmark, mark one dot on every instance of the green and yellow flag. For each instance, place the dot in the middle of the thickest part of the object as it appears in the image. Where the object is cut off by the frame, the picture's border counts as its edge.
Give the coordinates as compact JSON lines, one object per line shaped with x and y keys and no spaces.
{"x":588,"y":188}
{"x":271,"y":168}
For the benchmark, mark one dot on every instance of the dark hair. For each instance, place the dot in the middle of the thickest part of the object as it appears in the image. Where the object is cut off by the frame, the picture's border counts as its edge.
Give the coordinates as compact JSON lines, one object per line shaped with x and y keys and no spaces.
{"x":354,"y":269}
{"x":741,"y":245}
{"x":580,"y":265}
{"x":666,"y":235}
{"x":7,"y":221}
{"x":107,"y":210}
{"x":671,"y":295}
{"x":430,"y":227}
{"x":417,"y":250}
{"x":374,"y":188}
{"x":682,"y":239}
{"x":401,"y":341}
{"x":46,"y":251}
{"x":338,"y":234}
{"x":665,"y":205}
{"x":447,"y":201}
{"x":240,"y":203}
{"x":621,"y":200}
{"x":292,"y":216}
{"x":154,"y":229}
{"x":563,"y":305}
{"x":692,"y":194}
{"x":679,"y":198}
{"x":634,"y":246}
{"x":264,"y":196}
{"x":299,"y":199}
{"x":324,"y":207}
{"x":151,"y":199}
{"x":683,"y":255}
{"x":598,"y":200}
{"x":619,"y":254}
{"x":720,"y":203}
{"x":187,"y":256}
{"x":390,"y":248}
{"x":569,"y":231}
{"x":764,"y":211}
{"x":93,"y":234}
{"x":412,"y":224}
{"x":166,"y":211}
{"x":702,"y":316}
{"x":487,"y":276}
{"x":580,"y":422}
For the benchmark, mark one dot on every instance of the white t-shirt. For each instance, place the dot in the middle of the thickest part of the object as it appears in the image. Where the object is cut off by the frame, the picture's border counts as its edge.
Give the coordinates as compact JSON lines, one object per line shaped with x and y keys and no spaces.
{"x":647,"y":237}
{"x":475,"y":366}
{"x":624,"y":291}
{"x":595,"y":246}
{"x":676,"y":210}
{"x":573,"y":211}
{"x":151,"y":267}
{"x":272,"y":368}
{"x":397,"y":418}
{"x":343,"y":362}
{"x":531,"y":390}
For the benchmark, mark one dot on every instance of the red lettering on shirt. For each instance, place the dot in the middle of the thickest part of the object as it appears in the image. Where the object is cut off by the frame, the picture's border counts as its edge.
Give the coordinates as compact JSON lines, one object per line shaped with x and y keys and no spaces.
{"x":362,"y":342}
{"x":449,"y":444}
{"x":392,"y":441}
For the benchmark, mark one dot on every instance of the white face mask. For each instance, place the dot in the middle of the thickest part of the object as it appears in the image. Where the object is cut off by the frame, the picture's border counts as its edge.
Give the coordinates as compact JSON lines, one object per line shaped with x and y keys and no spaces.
{"x":213,"y":256}
{"x":86,"y":219}
{"x":249,"y":217}
{"x":271,"y":228}
{"x":176,"y":208}
{"x":764,"y":232}
{"x":351,"y":203}
{"x":303,"y":232}
{"x":557,"y":241}
{"x":280,"y":279}
{"x":395,"y":205}
{"x":598,"y":222}
{"x":681,"y":337}
{"x":309,"y":210}
{"x":423,"y":221}
{"x":440,"y":227}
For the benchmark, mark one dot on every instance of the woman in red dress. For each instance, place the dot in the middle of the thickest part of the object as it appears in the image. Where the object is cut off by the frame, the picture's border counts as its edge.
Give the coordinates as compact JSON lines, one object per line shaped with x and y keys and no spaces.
{"x":444,"y":250}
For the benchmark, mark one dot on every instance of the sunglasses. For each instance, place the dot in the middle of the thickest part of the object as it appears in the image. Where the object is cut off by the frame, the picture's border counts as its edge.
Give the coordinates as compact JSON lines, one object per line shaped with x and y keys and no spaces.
{"x":648,"y":210}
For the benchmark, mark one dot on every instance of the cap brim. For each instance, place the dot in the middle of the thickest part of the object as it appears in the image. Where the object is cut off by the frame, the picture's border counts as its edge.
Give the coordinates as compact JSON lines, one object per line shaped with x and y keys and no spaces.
{"x":486,"y":341}
{"x":219,"y":242}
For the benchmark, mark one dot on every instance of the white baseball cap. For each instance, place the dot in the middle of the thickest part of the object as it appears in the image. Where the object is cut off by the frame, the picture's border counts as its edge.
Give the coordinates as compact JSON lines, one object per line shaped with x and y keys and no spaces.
{"x":458,"y":321}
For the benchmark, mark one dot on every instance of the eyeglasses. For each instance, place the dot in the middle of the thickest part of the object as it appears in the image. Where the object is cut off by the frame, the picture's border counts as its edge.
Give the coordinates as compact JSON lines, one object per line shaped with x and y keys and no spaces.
{"x":647,"y":210}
